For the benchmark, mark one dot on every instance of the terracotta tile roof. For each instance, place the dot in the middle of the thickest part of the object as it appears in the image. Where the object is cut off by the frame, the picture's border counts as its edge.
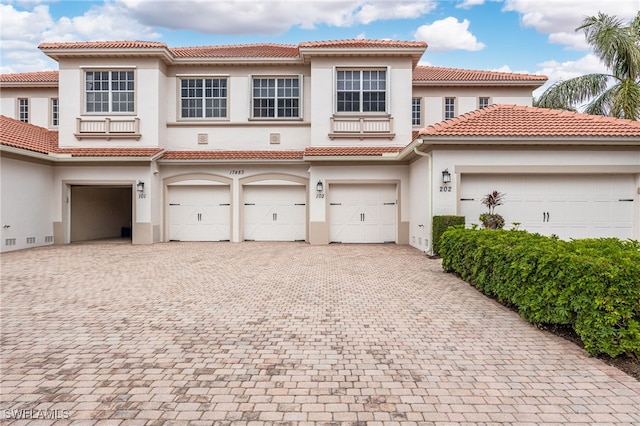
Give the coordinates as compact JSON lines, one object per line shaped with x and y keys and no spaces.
{"x":425,"y":73}
{"x":233,"y":155}
{"x":264,"y":50}
{"x":30,"y":77}
{"x":109,"y":152}
{"x":123,"y":44}
{"x":520,"y":121}
{"x":362,"y":43}
{"x":26,"y":136}
{"x":331,"y":151}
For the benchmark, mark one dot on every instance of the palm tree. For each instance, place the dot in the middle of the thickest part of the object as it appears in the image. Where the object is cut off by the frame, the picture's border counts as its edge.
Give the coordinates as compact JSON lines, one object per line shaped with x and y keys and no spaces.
{"x":616,"y":94}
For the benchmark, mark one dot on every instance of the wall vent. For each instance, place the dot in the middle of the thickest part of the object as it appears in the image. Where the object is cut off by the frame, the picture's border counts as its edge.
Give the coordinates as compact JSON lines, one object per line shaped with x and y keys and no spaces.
{"x":274,"y":138}
{"x":31,"y":240}
{"x":10,"y":242}
{"x":48,"y":239}
{"x":203,"y":138}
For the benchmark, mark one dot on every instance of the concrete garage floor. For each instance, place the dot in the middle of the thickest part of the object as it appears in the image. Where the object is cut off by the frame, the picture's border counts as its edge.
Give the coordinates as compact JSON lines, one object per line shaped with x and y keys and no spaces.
{"x":242,"y":333}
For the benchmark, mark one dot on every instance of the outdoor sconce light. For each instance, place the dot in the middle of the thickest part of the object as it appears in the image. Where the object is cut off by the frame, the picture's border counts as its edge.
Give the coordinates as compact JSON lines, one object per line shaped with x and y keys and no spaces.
{"x":140,"y":186}
{"x":446,"y":176}
{"x":319,"y":186}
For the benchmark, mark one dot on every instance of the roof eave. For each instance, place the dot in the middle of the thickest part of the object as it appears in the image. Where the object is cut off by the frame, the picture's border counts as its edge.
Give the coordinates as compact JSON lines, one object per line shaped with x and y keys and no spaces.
{"x":235,"y":61}
{"x":94,"y":52}
{"x":28,"y":84}
{"x":185,"y":161}
{"x":553,"y":140}
{"x":440,"y":83}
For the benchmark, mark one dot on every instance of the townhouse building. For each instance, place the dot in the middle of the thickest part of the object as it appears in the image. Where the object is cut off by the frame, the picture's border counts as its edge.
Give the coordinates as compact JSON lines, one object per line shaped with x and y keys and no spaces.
{"x":347,"y":141}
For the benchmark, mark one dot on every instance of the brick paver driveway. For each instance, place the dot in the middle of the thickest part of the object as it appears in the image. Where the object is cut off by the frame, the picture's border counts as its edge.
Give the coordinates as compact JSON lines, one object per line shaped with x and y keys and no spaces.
{"x":280,"y":332}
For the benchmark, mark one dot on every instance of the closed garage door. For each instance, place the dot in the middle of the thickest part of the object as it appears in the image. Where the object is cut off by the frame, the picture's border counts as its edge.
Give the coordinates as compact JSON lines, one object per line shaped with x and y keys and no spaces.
{"x":362,"y":213}
{"x":275,"y":213}
{"x":199,"y":213}
{"x":569,"y":206}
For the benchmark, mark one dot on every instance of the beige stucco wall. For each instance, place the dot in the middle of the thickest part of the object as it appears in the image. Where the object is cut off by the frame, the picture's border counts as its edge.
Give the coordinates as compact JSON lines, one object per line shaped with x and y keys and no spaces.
{"x":26,"y":191}
{"x":148,"y":80}
{"x":39,"y":103}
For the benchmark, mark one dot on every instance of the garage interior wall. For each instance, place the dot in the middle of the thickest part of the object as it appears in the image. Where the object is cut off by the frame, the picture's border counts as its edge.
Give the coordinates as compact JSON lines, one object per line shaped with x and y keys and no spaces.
{"x":100,"y":212}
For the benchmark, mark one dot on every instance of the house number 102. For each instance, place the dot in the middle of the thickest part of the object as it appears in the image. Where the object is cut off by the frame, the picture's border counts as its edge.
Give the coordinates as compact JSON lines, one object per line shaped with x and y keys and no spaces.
{"x":445,"y":188}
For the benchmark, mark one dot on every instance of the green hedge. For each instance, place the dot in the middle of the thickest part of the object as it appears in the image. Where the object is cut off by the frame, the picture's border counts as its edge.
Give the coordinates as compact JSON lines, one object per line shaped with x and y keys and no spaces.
{"x":592,"y":285}
{"x":440,"y":224}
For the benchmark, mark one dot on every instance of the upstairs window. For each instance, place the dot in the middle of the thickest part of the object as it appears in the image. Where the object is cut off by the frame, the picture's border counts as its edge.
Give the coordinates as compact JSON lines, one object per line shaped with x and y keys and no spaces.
{"x":55,"y":112}
{"x":203,"y":98}
{"x":483,"y":103}
{"x":416,"y":111}
{"x":449,"y":108}
{"x":361,"y":91}
{"x":109,"y":91}
{"x":276,"y":97}
{"x":23,"y":110}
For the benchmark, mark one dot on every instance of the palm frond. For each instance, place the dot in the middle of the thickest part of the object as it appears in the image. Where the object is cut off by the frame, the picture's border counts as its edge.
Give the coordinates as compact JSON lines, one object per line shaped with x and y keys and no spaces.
{"x":570,"y":93}
{"x":603,"y":103}
{"x":626,"y":100}
{"x":616,"y":44}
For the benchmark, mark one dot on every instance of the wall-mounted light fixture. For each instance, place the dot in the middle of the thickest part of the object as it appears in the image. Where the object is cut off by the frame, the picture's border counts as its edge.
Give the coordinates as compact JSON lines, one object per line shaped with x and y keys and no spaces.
{"x":446,"y":176}
{"x":140,"y":186}
{"x":319,"y":186}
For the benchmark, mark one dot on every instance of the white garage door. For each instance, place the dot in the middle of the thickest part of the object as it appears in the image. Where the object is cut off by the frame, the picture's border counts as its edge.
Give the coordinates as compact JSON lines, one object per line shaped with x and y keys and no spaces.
{"x":275,"y":213}
{"x":199,"y":213}
{"x":569,"y":206}
{"x":362,"y":213}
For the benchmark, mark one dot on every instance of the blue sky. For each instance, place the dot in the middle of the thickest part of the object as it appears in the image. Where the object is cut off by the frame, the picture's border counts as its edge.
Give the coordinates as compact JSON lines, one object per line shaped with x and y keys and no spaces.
{"x":532,"y":36}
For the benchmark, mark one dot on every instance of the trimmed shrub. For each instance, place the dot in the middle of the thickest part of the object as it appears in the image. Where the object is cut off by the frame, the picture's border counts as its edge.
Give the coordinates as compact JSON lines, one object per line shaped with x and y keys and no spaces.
{"x":440,"y":224}
{"x":592,"y":285}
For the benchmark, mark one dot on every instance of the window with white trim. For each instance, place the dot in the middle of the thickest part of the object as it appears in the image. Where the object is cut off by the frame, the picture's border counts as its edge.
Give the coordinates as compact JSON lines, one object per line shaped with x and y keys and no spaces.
{"x":483,"y":102}
{"x":416,"y":111}
{"x":276,"y":97}
{"x":109,"y":91}
{"x":23,"y":110}
{"x":203,"y":98}
{"x":361,"y":91}
{"x":449,"y":108}
{"x":55,"y":112}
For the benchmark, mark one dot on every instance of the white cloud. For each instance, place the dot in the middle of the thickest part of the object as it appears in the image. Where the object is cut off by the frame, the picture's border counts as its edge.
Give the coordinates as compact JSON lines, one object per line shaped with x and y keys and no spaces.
{"x":269,"y":16}
{"x":559,"y":19}
{"x":448,"y":34}
{"x":557,"y":71}
{"x":467,"y":4}
{"x":26,"y":24}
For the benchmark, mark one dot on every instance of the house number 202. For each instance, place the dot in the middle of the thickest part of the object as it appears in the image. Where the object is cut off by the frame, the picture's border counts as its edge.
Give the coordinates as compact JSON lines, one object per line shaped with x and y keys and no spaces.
{"x":445,"y":188}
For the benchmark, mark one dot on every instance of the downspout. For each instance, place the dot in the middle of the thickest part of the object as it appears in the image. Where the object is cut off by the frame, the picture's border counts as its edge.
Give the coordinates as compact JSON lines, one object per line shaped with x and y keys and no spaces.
{"x":429,"y":250}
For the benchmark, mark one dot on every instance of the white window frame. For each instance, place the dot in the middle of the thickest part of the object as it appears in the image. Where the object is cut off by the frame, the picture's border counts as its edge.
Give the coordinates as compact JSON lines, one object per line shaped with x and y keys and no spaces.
{"x":203,"y":98}
{"x":447,"y":106}
{"x":416,"y":115}
{"x":278,"y":79}
{"x":23,"y":110}
{"x":481,"y":98}
{"x":55,"y":112}
{"x":109,"y":91}
{"x":361,"y":89}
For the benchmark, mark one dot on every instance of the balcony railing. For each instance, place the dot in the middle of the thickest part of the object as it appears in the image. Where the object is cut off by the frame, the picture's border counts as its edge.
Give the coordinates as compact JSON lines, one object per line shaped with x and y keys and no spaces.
{"x":106,"y":128}
{"x":362,"y":127}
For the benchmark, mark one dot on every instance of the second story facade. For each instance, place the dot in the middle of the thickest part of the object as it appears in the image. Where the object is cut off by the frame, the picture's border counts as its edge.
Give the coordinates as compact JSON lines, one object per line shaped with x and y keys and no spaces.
{"x":262,"y":97}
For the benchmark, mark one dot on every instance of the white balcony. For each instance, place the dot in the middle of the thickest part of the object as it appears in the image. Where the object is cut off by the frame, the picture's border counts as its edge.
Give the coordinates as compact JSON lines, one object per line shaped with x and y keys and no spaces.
{"x":107,"y":128}
{"x":362,"y":127}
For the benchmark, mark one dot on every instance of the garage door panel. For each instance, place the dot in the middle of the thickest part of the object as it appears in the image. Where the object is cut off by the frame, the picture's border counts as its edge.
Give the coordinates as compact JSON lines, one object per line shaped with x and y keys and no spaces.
{"x":570,"y":206}
{"x":362,"y":213}
{"x":275,"y":213}
{"x":199,"y":213}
